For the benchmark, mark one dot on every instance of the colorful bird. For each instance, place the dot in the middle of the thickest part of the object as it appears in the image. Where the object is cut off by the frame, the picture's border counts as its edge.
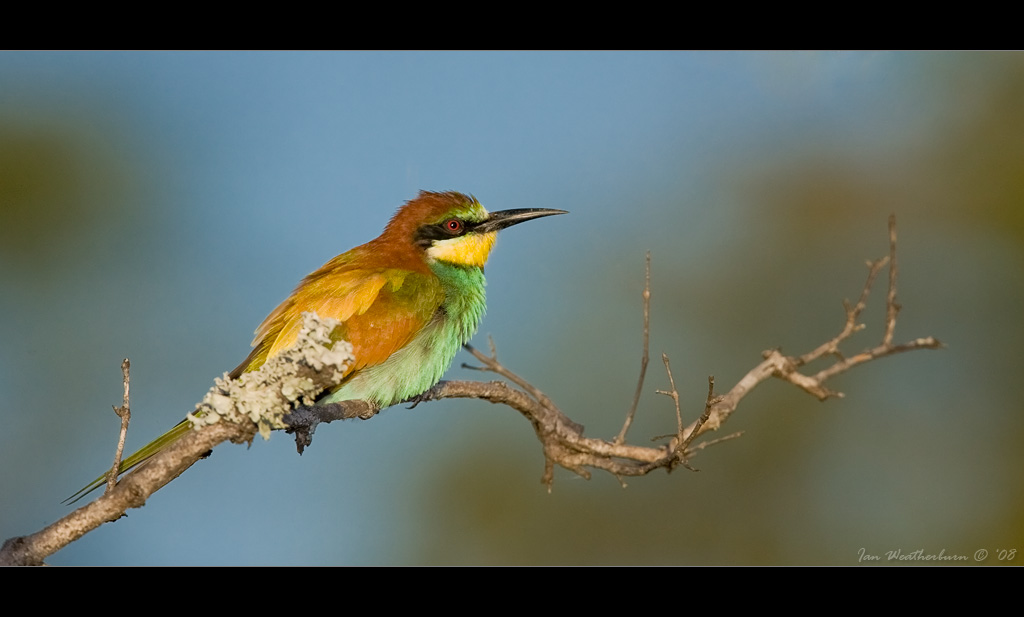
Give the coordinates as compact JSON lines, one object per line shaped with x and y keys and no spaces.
{"x":407,"y":300}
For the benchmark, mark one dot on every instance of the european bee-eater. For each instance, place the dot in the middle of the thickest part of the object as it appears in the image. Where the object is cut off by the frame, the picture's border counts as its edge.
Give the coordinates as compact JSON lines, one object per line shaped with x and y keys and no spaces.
{"x":407,"y":300}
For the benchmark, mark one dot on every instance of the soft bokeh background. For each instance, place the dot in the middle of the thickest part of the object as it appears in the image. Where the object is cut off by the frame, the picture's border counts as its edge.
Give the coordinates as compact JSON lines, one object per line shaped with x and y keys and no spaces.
{"x":158,"y":205}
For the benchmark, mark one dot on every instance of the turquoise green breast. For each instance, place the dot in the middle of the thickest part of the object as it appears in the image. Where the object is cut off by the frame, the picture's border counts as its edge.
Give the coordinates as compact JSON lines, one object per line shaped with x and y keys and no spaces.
{"x":419,"y":365}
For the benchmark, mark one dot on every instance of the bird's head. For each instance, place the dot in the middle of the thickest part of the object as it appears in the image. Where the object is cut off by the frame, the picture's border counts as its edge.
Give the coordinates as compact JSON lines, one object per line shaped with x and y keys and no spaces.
{"x":454,"y":228}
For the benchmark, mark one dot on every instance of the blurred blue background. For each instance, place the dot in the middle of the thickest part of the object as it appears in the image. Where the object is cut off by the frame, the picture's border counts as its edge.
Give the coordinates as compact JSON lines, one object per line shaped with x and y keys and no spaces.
{"x":158,"y":205}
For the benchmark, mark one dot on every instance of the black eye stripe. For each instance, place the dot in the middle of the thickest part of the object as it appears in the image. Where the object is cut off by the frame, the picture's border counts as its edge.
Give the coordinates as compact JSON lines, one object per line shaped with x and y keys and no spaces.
{"x":427,"y":234}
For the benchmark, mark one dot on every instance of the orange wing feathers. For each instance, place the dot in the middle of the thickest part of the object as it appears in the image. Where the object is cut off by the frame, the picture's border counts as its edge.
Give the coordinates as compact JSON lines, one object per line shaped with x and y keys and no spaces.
{"x":381,"y":308}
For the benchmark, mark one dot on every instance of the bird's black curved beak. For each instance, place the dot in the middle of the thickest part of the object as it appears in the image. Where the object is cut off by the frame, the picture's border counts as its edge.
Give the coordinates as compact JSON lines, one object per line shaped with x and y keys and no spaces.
{"x":507,"y":218}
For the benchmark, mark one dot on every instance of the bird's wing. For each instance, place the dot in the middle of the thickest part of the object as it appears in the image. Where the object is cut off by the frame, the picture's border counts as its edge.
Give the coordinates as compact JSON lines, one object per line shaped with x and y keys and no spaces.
{"x":381,"y":310}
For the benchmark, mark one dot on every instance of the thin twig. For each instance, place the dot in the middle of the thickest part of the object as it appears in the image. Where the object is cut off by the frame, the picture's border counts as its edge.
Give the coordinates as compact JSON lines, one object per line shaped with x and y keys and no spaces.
{"x":492,"y":365}
{"x":123,"y":412}
{"x":892,"y":307}
{"x":646,"y":357}
{"x":852,"y":314}
{"x":673,"y":394}
{"x":714,"y":442}
{"x":708,"y":404}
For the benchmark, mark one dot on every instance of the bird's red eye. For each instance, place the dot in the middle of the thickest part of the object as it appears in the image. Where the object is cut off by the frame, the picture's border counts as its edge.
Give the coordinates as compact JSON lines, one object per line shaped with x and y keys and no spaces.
{"x":453,"y":226}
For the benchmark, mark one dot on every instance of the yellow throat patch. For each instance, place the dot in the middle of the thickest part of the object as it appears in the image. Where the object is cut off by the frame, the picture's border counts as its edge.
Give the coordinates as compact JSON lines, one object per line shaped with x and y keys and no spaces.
{"x":469,"y":250}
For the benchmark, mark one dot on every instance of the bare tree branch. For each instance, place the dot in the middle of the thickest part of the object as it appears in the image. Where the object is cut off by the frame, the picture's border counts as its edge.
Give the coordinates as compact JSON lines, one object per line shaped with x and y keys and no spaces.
{"x":565,"y":445}
{"x":279,"y":397}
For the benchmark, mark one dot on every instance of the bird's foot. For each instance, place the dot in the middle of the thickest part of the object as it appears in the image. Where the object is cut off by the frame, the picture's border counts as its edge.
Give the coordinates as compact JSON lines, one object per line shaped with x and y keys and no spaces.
{"x":429,"y":395}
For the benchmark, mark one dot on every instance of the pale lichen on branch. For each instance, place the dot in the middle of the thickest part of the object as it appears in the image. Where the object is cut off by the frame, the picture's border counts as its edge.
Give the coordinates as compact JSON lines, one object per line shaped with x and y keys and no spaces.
{"x":294,"y":377}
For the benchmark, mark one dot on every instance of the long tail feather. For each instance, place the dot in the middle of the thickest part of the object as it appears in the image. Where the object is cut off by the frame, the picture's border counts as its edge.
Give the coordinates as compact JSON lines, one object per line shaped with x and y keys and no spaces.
{"x":147,"y":452}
